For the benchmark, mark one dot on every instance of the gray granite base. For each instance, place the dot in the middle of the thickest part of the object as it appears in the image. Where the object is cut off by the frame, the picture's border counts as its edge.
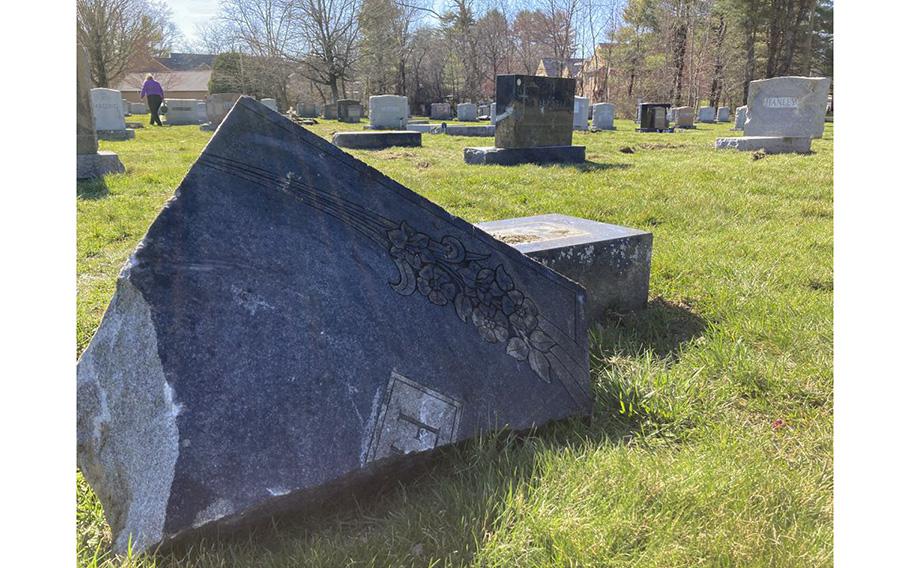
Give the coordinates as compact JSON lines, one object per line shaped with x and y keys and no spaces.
{"x":90,"y":166}
{"x":376,"y":139}
{"x":127,"y":134}
{"x":515,"y":156}
{"x":470,"y":130}
{"x":613,"y":263}
{"x":770,"y":144}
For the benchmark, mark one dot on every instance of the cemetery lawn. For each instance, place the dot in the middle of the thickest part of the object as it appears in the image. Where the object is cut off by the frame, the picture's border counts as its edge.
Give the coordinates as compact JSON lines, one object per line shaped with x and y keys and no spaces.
{"x":711,"y":441}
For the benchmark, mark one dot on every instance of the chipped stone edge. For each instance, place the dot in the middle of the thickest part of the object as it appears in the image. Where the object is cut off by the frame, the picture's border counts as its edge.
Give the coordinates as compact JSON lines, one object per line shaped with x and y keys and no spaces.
{"x":127,"y":436}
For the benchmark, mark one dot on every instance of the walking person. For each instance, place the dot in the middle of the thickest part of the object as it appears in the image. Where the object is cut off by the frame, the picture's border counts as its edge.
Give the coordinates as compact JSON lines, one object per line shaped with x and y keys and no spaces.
{"x":154,"y":95}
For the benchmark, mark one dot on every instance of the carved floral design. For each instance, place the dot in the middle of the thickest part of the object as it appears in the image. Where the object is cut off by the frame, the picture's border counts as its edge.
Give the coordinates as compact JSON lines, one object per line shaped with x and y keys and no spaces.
{"x":445,"y":273}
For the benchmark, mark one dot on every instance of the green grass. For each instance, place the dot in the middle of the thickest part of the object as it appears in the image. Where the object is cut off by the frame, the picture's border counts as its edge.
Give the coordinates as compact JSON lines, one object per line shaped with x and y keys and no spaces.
{"x":682,"y":464}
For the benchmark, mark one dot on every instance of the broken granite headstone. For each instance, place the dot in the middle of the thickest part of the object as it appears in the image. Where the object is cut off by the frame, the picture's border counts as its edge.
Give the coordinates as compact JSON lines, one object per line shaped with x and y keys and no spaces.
{"x":294,"y":320}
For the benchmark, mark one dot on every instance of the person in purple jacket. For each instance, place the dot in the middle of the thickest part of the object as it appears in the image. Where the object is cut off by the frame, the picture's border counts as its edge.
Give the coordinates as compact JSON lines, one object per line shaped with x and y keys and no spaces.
{"x":154,"y":95}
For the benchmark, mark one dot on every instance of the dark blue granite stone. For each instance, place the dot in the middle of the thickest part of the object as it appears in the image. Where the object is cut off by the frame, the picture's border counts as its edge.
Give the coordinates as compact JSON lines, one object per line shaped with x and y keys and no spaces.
{"x":316,"y":319}
{"x":376,"y":139}
{"x":613,"y":263}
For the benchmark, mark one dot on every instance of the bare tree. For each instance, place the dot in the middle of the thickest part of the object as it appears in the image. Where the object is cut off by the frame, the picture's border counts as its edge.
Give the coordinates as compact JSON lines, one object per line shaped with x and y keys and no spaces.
{"x":325,"y":34}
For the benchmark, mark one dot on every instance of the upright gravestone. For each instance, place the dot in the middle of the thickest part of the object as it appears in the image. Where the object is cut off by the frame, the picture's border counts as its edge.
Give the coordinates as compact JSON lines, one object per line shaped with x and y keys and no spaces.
{"x":784,"y":114}
{"x":349,"y":110}
{"x":483,"y":111}
{"x":533,"y":123}
{"x":440,"y":111}
{"x":684,"y":116}
{"x":602,"y":116}
{"x":126,"y":107}
{"x":201,"y":113}
{"x":217,"y":107}
{"x":580,"y":113}
{"x":493,"y":113}
{"x":107,"y":107}
{"x":307,"y":110}
{"x":182,"y":112}
{"x":90,"y":162}
{"x":466,"y":112}
{"x":388,"y":112}
{"x":330,"y":111}
{"x":139,"y":108}
{"x":294,"y":323}
{"x":707,"y":114}
{"x":270,"y":103}
{"x":723,"y":114}
{"x":740,"y":121}
{"x":653,"y":117}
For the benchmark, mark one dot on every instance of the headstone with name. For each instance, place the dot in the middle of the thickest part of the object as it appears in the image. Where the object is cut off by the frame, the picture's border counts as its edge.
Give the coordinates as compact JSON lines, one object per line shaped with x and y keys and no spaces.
{"x":652,"y":117}
{"x":740,"y":121}
{"x":707,"y":114}
{"x":270,"y":103}
{"x":90,"y":162}
{"x":388,"y":112}
{"x":602,"y":116}
{"x":684,"y":116}
{"x":307,"y":110}
{"x":349,"y":110}
{"x":580,"y":114}
{"x":723,"y":114}
{"x":440,"y":111}
{"x":534,"y":118}
{"x":107,"y":106}
{"x":613,"y":263}
{"x":466,"y":112}
{"x":182,"y":111}
{"x":217,"y":107}
{"x":294,"y":324}
{"x":783,"y":115}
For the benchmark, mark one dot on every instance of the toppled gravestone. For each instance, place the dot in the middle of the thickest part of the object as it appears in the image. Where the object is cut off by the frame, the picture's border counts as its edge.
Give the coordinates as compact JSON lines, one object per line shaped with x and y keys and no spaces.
{"x":295,"y":320}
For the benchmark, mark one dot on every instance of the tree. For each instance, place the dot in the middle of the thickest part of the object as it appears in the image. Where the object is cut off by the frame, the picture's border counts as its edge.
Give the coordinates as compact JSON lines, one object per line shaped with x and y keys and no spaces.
{"x":116,"y":33}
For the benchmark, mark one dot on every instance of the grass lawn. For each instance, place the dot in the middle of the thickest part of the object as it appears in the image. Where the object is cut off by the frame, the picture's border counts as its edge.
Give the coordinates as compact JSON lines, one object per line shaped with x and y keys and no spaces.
{"x":711,"y":441}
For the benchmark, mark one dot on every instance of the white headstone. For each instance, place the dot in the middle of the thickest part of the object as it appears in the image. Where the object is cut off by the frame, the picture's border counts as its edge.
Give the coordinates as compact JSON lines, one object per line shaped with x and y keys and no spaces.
{"x":580,"y":120}
{"x":107,"y":106}
{"x":684,"y":116}
{"x":182,"y":111}
{"x":201,"y":114}
{"x":602,"y":117}
{"x":271,"y":103}
{"x":467,"y":112}
{"x":492,"y":113}
{"x":707,"y":114}
{"x":723,"y":114}
{"x":787,"y":106}
{"x":740,"y":120}
{"x":388,"y":111}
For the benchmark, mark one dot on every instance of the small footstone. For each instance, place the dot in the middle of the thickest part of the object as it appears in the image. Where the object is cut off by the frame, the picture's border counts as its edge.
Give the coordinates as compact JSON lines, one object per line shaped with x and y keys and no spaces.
{"x":116,"y":135}
{"x":613,"y":263}
{"x":770,"y":144}
{"x":534,"y":155}
{"x":473,"y":130}
{"x":376,"y":139}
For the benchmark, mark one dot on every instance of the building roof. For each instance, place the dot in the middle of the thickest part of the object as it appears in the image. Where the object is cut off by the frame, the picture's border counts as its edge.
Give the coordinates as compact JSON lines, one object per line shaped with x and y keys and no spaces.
{"x":187,"y":61}
{"x":170,"y":81}
{"x":551,"y":67}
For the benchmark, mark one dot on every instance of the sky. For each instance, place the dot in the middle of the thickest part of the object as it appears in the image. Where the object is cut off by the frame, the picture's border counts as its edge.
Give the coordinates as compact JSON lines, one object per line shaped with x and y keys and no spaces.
{"x":188,"y":13}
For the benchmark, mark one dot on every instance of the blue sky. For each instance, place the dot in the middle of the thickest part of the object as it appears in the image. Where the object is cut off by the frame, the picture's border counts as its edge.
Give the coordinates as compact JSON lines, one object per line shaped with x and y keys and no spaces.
{"x":188,"y":13}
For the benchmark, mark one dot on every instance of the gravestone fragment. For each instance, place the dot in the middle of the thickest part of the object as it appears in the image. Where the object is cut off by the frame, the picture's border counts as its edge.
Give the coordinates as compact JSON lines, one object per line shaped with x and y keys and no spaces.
{"x":613,"y":263}
{"x":580,"y":114}
{"x":107,"y":107}
{"x":90,"y":162}
{"x":740,"y":121}
{"x":707,"y":114}
{"x":295,"y":321}
{"x":388,"y":112}
{"x":684,"y":116}
{"x":783,"y":114}
{"x":723,"y":114}
{"x":602,"y":116}
{"x":440,"y":111}
{"x":466,"y":112}
{"x":534,"y":118}
{"x":349,"y":110}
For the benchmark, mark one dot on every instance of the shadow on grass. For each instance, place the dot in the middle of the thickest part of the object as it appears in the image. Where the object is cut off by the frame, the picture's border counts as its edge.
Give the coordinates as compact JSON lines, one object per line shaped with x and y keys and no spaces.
{"x":92,"y":189}
{"x":662,"y":328}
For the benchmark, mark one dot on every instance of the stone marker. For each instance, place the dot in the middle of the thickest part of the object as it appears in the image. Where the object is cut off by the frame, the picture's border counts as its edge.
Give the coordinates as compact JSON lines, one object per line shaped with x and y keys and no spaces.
{"x":602,"y":116}
{"x":684,"y":116}
{"x":483,"y":110}
{"x":580,"y":114}
{"x":707,"y":114}
{"x":330,"y":111}
{"x":424,"y":128}
{"x":376,"y":139}
{"x":107,"y":107}
{"x":270,"y":103}
{"x":349,"y":110}
{"x":90,"y":162}
{"x":126,"y":107}
{"x":466,"y":112}
{"x":182,"y":111}
{"x":613,"y":263}
{"x":307,"y":110}
{"x":388,"y":111}
{"x":723,"y":114}
{"x":139,"y":108}
{"x":293,"y":323}
{"x":470,"y":130}
{"x":201,"y":113}
{"x":740,"y":120}
{"x":440,"y":111}
{"x":652,"y":117}
{"x":533,"y":123}
{"x":218,"y":105}
{"x":493,"y":113}
{"x":783,"y":115}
